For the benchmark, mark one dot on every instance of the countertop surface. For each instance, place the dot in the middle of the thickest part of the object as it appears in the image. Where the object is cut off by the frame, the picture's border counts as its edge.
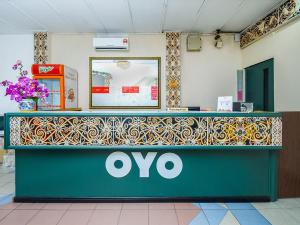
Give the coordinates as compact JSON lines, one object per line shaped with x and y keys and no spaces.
{"x":144,"y":113}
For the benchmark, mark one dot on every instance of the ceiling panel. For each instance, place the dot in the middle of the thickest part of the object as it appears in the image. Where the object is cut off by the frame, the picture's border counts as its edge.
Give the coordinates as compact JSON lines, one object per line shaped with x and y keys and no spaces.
{"x":215,"y":13}
{"x":40,"y":11}
{"x":77,"y":14}
{"x":147,"y":17}
{"x":125,"y":16}
{"x":10,"y":13}
{"x":7,"y":28}
{"x":114,"y":15}
{"x":249,"y":13}
{"x":181,"y":15}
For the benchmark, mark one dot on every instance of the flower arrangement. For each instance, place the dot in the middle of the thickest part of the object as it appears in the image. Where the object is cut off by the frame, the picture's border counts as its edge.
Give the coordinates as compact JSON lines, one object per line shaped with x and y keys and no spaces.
{"x":25,"y":87}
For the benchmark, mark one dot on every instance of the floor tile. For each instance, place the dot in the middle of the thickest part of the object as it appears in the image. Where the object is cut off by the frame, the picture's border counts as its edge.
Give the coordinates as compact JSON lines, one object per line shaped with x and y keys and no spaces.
{"x":31,"y":205}
{"x":6,"y":170}
{"x":6,"y":192}
{"x":11,"y":205}
{"x":185,"y":216}
{"x":82,"y":206}
{"x":297,"y":199}
{"x":46,"y":217}
{"x":4,"y":213}
{"x":229,"y":219}
{"x":215,"y":216}
{"x":135,"y":206}
{"x":162,"y":217}
{"x":161,"y":205}
{"x":288,"y":203}
{"x":239,"y":205}
{"x":278,"y":217}
{"x":109,"y":206}
{"x":134,"y":217}
{"x":7,"y":188}
{"x":6,"y":199}
{"x":76,"y":217}
{"x":200,"y":219}
{"x":211,"y":206}
{"x":105,"y":217}
{"x":56,"y":206}
{"x":185,"y":206}
{"x":8,"y":179}
{"x":295,"y":212}
{"x":18,"y":217}
{"x":265,"y":205}
{"x":249,"y":217}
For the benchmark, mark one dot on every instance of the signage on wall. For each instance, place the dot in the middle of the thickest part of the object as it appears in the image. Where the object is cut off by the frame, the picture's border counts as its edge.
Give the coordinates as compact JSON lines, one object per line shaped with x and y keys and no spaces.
{"x":131,"y":89}
{"x":144,"y":164}
{"x":154,"y":92}
{"x":100,"y":90}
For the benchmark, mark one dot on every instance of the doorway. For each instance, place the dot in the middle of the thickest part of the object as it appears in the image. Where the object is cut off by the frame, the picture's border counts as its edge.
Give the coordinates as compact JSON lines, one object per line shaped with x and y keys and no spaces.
{"x":259,"y":80}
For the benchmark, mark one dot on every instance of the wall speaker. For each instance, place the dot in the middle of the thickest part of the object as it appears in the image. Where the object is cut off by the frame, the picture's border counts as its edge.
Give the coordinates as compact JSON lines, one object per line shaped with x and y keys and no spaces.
{"x":193,"y":43}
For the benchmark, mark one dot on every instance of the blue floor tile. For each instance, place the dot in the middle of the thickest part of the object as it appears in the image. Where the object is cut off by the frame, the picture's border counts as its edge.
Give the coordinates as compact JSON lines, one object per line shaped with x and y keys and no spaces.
{"x":200,"y":219}
{"x":197,"y":205}
{"x":6,"y":199}
{"x":249,"y":217}
{"x":211,"y":206}
{"x":215,"y":216}
{"x":239,"y":206}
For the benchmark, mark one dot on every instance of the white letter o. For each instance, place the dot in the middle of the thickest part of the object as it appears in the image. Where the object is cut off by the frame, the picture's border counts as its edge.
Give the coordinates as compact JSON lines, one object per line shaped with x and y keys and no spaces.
{"x":110,"y":164}
{"x":161,"y":165}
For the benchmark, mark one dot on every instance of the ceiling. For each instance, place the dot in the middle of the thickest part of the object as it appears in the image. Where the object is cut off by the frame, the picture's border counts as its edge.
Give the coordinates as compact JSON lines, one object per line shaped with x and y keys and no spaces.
{"x":130,"y":16}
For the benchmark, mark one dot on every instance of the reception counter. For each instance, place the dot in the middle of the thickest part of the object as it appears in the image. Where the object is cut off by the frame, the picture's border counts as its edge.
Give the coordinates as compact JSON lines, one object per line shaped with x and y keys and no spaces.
{"x":144,"y":156}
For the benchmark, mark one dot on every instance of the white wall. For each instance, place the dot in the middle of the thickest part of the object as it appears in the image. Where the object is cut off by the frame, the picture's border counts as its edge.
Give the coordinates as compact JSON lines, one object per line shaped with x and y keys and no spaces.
{"x":12,"y":48}
{"x":74,"y":50}
{"x":209,"y":73}
{"x":205,"y":75}
{"x":284,"y":47}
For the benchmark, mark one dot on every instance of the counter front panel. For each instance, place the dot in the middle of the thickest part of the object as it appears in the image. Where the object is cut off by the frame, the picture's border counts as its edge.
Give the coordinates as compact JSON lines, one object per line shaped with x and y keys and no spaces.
{"x":144,"y":156}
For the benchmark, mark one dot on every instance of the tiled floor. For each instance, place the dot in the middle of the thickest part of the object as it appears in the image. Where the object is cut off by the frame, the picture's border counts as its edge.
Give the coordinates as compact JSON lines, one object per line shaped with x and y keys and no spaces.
{"x":282,"y":212}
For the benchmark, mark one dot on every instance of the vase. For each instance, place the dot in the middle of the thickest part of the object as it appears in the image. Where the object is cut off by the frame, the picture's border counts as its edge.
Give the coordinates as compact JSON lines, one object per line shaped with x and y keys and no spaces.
{"x":27,"y":105}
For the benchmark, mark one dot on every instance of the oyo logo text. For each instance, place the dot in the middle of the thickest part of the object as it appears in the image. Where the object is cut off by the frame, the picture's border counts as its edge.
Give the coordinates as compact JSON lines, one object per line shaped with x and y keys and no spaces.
{"x":144,"y":164}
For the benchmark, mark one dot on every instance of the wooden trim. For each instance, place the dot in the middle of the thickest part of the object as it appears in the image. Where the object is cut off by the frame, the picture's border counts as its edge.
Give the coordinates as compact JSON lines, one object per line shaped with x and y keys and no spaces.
{"x":289,"y":158}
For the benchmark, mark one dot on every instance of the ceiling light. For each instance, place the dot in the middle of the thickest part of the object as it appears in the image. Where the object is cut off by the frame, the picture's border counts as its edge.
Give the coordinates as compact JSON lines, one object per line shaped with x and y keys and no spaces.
{"x":123,"y":64}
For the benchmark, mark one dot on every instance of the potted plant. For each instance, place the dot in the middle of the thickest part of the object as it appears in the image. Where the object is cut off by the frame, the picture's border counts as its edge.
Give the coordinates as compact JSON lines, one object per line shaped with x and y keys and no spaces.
{"x":26,"y":91}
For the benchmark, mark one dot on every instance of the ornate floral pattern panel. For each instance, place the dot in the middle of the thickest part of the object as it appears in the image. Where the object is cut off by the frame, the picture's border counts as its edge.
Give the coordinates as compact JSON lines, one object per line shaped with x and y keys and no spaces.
{"x":173,"y":69}
{"x":145,"y":131}
{"x":240,"y":131}
{"x":280,"y":16}
{"x":40,"y":47}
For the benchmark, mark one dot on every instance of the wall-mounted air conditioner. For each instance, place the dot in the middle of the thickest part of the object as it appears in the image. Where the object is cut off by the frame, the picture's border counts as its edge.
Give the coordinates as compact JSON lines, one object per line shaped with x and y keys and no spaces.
{"x":111,"y":43}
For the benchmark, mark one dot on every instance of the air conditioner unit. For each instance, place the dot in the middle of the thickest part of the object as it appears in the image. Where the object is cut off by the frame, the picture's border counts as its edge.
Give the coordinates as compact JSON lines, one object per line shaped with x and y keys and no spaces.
{"x":111,"y":43}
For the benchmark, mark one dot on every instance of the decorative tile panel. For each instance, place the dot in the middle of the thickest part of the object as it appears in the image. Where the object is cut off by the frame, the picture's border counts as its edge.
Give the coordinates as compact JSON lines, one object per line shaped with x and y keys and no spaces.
{"x":15,"y":131}
{"x":280,"y":16}
{"x":173,"y":69}
{"x":40,"y":47}
{"x":161,"y":131}
{"x":145,"y":131}
{"x":276,"y":131}
{"x":240,"y":131}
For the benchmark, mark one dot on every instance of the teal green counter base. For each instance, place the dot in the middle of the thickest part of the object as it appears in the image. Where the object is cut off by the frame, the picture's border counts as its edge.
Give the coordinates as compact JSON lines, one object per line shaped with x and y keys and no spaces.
{"x":207,"y":174}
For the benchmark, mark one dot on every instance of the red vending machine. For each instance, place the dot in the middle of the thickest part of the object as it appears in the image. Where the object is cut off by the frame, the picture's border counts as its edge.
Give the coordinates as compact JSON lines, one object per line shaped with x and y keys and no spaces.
{"x":62,"y":83}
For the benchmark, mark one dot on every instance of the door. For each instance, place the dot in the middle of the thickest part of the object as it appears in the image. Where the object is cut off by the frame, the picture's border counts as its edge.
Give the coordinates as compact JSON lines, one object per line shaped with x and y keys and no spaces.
{"x":55,"y":99}
{"x":260,"y":85}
